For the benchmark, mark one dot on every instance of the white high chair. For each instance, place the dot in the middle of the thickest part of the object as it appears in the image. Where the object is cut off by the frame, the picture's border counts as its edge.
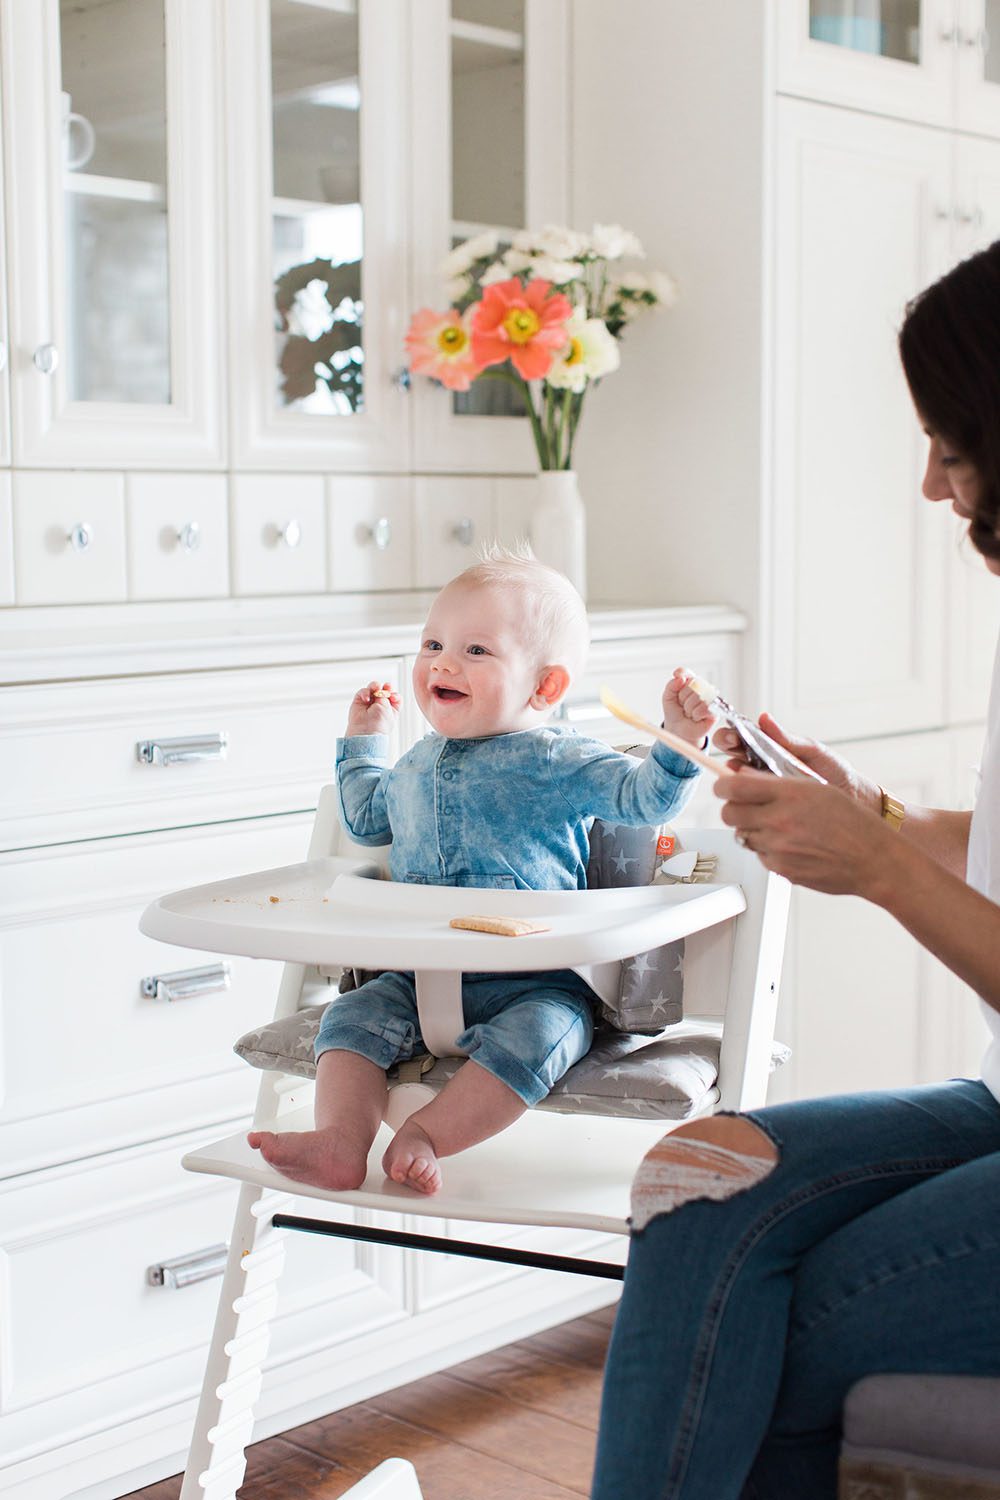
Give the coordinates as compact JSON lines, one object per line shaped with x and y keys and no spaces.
{"x":549,"y":1168}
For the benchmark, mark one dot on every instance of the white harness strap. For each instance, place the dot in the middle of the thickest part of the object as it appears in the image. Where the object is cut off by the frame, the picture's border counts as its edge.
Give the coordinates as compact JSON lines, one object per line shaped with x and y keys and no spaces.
{"x":439,"y":1007}
{"x":680,"y":1169}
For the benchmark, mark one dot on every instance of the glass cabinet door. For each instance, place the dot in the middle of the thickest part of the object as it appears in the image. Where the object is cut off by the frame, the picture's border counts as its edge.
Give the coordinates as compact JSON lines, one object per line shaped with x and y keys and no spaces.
{"x":112,"y":193}
{"x":318,"y":207}
{"x":490,"y":154}
{"x":977,"y":43}
{"x":887,"y":57}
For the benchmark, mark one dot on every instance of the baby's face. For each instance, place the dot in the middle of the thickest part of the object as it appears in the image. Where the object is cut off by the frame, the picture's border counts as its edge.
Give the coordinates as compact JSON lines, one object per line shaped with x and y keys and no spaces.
{"x":476,"y":674}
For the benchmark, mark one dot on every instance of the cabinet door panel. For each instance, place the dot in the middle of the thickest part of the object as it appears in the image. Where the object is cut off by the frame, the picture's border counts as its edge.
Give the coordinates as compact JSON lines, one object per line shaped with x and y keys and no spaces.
{"x":858,"y":234}
{"x":114,"y":255}
{"x":315,"y":99}
{"x":901,"y":64}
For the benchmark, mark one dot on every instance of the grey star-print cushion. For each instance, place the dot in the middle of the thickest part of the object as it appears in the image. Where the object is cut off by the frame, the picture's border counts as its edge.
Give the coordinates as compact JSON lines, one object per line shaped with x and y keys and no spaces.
{"x":667,"y":1077}
{"x":651,"y":992}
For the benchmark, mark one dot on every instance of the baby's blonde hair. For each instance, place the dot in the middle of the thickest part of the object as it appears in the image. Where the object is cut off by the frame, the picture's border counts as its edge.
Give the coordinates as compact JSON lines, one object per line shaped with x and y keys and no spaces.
{"x":555,"y":615}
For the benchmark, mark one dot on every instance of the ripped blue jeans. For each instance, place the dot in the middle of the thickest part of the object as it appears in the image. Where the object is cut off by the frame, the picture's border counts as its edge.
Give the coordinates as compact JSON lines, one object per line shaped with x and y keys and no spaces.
{"x":872,"y":1245}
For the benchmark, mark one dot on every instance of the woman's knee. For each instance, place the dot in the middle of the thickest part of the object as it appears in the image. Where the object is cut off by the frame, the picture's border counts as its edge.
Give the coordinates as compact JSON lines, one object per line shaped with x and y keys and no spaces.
{"x":710,"y":1159}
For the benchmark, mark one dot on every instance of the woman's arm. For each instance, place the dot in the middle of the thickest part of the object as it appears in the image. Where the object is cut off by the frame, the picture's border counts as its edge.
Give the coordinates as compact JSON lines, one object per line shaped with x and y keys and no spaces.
{"x":821,"y":837}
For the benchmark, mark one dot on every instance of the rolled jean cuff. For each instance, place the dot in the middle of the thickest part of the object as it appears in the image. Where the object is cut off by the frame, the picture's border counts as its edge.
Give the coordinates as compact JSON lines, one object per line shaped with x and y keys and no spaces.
{"x":377,"y":1049}
{"x":509,"y":1069}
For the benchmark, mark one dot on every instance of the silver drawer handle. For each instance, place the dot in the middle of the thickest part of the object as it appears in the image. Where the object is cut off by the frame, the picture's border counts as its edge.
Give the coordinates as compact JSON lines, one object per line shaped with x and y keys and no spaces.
{"x":290,"y":534}
{"x":380,"y":533}
{"x":185,"y":1270}
{"x":182,"y":748}
{"x":46,"y":359}
{"x":464,"y":531}
{"x":81,"y":536}
{"x":186,"y":984}
{"x":189,"y":537}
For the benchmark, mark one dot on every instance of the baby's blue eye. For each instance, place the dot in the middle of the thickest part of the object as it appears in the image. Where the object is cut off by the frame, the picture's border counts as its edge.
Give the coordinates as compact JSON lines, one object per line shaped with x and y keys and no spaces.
{"x":432,"y":645}
{"x":478,"y":651}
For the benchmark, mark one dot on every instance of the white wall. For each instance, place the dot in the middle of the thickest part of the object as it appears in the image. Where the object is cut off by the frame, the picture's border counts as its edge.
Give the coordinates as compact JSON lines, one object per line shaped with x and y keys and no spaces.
{"x":672,"y":492}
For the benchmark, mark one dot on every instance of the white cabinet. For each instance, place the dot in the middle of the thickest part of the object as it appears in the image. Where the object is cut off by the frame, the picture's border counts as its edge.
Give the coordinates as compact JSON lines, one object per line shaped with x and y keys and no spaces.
{"x":112,"y":164}
{"x":220,"y":216}
{"x":127,"y":781}
{"x":927,"y":60}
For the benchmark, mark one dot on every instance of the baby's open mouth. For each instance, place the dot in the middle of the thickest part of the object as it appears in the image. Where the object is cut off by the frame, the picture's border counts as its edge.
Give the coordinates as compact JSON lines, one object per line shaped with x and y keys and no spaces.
{"x":447,"y":695}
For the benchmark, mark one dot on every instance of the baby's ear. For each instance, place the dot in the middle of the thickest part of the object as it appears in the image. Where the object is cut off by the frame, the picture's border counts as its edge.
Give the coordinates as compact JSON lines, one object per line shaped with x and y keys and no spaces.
{"x":552,"y":685}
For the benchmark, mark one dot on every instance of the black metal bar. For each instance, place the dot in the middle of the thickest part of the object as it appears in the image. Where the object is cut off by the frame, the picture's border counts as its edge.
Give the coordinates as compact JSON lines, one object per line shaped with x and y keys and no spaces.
{"x":534,"y":1259}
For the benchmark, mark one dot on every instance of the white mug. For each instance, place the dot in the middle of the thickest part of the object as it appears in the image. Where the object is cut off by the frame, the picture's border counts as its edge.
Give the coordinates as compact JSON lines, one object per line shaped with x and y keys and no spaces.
{"x":78,"y":136}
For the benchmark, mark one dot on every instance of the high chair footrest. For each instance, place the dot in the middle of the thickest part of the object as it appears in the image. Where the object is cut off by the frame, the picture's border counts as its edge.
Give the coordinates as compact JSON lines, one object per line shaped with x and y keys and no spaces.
{"x":469,"y":1248}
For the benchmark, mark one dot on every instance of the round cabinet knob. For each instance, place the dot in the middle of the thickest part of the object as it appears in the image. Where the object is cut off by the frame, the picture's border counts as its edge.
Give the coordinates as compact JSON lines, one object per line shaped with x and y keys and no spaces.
{"x":381,"y":533}
{"x":402,"y":379}
{"x":45,"y":359}
{"x":189,"y":537}
{"x":290,"y":534}
{"x":81,"y":536}
{"x":464,"y":531}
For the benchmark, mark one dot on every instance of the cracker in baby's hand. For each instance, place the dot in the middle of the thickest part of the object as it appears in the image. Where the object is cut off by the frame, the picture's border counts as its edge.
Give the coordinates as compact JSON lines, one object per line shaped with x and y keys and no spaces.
{"x":500,"y":926}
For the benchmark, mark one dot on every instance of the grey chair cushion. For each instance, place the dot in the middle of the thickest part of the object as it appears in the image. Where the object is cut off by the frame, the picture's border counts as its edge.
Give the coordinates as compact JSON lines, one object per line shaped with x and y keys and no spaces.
{"x":651,"y":990}
{"x":668,"y":1077}
{"x":935,"y":1423}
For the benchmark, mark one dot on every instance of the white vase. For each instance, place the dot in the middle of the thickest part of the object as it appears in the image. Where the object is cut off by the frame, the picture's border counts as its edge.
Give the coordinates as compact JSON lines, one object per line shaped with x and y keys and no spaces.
{"x":559,"y":525}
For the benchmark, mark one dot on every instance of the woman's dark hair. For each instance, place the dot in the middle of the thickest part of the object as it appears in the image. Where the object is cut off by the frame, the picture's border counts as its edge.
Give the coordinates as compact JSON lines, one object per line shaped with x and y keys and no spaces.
{"x":950,"y":347}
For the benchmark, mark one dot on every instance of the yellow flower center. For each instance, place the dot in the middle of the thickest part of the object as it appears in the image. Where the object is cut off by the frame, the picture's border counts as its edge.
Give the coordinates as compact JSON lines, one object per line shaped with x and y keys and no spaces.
{"x":521,"y":325}
{"x":452,"y":339}
{"x":575,"y":355}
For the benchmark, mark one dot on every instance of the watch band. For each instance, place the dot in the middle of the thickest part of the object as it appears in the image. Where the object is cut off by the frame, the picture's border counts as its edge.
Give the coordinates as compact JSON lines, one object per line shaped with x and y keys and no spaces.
{"x":892,"y":810}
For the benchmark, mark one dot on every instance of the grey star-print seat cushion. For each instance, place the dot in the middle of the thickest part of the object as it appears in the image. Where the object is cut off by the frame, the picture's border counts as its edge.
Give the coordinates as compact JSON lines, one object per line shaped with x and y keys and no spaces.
{"x":667,"y":1077}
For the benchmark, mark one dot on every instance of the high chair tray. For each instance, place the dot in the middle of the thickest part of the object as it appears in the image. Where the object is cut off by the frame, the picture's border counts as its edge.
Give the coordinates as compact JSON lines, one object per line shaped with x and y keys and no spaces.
{"x":331,"y":911}
{"x":571,"y":1171}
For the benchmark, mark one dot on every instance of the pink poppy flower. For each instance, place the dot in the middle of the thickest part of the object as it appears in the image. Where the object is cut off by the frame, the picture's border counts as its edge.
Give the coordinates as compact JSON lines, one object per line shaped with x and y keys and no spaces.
{"x":440,"y":345}
{"x":521,"y":323}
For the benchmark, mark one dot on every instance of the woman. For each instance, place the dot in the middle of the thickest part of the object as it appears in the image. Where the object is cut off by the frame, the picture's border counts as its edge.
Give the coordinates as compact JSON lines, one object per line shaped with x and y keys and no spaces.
{"x":779,"y":1256}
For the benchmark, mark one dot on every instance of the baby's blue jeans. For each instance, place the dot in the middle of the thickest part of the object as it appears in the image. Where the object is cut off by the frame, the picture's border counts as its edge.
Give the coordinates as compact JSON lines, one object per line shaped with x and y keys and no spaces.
{"x":873,"y":1246}
{"x":525,"y":1029}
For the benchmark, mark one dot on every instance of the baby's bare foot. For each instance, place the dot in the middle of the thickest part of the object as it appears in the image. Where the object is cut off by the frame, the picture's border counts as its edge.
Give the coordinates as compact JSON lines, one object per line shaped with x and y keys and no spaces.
{"x":329,"y":1158}
{"x":410,"y":1159}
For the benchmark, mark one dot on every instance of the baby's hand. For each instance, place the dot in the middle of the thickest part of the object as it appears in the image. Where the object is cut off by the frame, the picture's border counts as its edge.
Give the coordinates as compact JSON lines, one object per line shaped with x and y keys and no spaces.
{"x":686,"y":711}
{"x":373,"y":709}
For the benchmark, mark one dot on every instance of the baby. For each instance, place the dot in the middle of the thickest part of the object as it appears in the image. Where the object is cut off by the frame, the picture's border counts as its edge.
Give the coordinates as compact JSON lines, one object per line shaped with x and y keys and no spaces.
{"x":494,"y":797}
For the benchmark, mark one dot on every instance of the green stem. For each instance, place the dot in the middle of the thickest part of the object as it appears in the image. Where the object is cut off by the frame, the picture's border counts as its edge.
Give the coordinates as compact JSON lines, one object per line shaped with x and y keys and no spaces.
{"x":573,"y":423}
{"x":501,"y":372}
{"x":566,"y":427}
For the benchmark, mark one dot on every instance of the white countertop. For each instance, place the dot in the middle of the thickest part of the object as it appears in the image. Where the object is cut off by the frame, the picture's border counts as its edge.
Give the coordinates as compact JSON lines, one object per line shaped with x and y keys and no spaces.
{"x":78,"y":642}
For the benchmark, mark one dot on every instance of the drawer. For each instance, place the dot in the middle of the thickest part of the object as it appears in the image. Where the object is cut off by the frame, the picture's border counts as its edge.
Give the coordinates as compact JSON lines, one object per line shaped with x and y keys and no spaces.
{"x":279,"y":534}
{"x":87,"y":1061}
{"x":72,"y":769}
{"x":69,"y":538}
{"x":370,"y":530}
{"x":454,"y":516}
{"x":90,"y":1344}
{"x":178,"y":536}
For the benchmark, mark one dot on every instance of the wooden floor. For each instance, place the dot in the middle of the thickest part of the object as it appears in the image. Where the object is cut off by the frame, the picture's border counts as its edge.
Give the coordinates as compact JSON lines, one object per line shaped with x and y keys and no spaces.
{"x":517,"y":1424}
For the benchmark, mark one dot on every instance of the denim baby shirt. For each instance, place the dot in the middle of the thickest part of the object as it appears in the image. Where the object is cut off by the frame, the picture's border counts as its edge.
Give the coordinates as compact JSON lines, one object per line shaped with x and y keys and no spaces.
{"x":511,"y":811}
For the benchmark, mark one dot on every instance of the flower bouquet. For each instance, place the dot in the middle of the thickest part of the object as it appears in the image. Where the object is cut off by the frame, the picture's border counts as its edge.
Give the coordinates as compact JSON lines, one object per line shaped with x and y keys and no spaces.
{"x":545,"y":313}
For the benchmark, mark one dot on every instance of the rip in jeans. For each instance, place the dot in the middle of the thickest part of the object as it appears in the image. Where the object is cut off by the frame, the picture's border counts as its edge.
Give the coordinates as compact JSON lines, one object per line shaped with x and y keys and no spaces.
{"x":714,"y":1158}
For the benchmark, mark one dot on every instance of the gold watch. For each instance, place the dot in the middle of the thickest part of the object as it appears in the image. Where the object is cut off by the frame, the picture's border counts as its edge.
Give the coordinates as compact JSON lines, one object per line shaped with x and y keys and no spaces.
{"x":892,"y":810}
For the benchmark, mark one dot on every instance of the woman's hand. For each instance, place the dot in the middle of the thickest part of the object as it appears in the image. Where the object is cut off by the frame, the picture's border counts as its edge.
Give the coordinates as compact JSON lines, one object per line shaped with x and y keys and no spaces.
{"x":818,"y":836}
{"x":838,"y":772}
{"x":373,"y":709}
{"x":685,"y":708}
